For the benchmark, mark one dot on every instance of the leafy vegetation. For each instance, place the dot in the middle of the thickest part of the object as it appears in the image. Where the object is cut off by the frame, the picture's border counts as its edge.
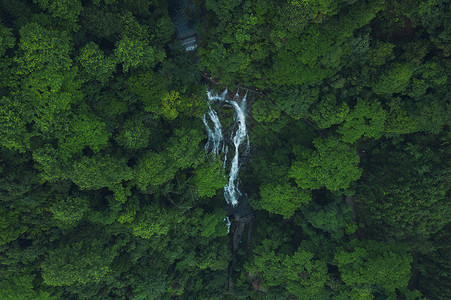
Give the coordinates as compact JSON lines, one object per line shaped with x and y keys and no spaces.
{"x":106,"y":191}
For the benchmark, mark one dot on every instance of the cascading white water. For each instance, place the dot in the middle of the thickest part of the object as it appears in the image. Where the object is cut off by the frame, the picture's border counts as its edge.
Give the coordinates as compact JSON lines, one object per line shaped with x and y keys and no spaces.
{"x":231,"y":190}
{"x":215,"y":138}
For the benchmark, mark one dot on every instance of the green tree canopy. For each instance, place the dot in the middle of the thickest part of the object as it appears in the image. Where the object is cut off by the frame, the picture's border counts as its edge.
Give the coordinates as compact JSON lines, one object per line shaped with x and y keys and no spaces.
{"x":332,"y":164}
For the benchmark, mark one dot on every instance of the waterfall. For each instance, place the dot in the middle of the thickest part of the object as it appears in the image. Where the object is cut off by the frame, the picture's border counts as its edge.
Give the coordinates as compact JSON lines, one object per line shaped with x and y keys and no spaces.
{"x":185,"y":24}
{"x":228,"y":223}
{"x":231,"y":191}
{"x":216,"y":138}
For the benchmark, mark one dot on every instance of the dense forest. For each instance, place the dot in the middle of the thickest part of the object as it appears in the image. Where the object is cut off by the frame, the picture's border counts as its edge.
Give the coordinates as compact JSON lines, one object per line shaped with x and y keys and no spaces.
{"x":106,"y":189}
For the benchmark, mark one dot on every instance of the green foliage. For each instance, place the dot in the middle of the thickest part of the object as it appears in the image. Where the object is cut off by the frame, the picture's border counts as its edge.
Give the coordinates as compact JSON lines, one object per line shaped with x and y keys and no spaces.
{"x":381,"y":53}
{"x":51,"y":165}
{"x":212,"y":225}
{"x":364,"y":120}
{"x":45,"y":81}
{"x":394,"y":79}
{"x":154,"y":92}
{"x":10,"y":225}
{"x":21,"y":287}
{"x":7,"y":39}
{"x":369,"y":266}
{"x":101,"y":23}
{"x":134,"y":134}
{"x":333,"y":164}
{"x":100,"y":171}
{"x":435,"y":268}
{"x":325,"y":7}
{"x":283,"y":199}
{"x":153,"y":169}
{"x":133,"y":53}
{"x":263,"y":111}
{"x":301,"y":274}
{"x":334,"y":218}
{"x":151,"y":222}
{"x":106,"y":190}
{"x":296,"y":102}
{"x":35,"y":41}
{"x":78,"y":263}
{"x":404,"y":190}
{"x":84,"y":131}
{"x":222,"y":8}
{"x":152,"y":286}
{"x":209,"y":177}
{"x":94,"y":63}
{"x":329,"y":112}
{"x":399,"y":120}
{"x":183,"y":148}
{"x":290,"y":69}
{"x":66,"y":11}
{"x":69,"y":209}
{"x":13,"y":133}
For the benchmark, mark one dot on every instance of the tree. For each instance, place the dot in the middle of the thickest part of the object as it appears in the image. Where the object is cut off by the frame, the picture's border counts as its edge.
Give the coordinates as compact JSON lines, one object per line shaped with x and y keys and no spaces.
{"x":364,"y":120}
{"x":83,"y":130}
{"x":403,"y":190}
{"x":394,"y":79}
{"x":155,"y":93}
{"x":133,"y":53}
{"x":435,"y":268}
{"x":106,"y":191}
{"x":65,"y":11}
{"x":51,"y":165}
{"x":153,"y":169}
{"x":329,"y":111}
{"x":380,"y":53}
{"x":94,"y":64}
{"x":151,"y":222}
{"x":183,"y":148}
{"x":7,"y":41}
{"x":134,"y":134}
{"x":10,"y":224}
{"x":209,"y":177}
{"x":296,"y":102}
{"x":301,"y":274}
{"x":69,"y":209}
{"x":336,"y":219}
{"x":333,"y":164}
{"x":399,"y":119}
{"x":45,"y":81}
{"x":289,"y":69}
{"x":283,"y":199}
{"x":371,"y":267}
{"x":78,"y":263}
{"x":102,"y":23}
{"x":13,"y":120}
{"x":21,"y":286}
{"x":100,"y":171}
{"x":222,"y":8}
{"x":150,"y":285}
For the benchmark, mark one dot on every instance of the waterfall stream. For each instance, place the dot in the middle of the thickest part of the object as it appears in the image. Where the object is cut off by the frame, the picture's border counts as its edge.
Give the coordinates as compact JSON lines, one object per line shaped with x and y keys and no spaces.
{"x":216,"y":139}
{"x":239,"y":212}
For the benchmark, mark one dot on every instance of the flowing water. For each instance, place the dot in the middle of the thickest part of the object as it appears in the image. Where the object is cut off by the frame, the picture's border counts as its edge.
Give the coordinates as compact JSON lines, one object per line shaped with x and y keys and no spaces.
{"x":239,"y":211}
{"x":185,"y":23}
{"x":238,"y":137}
{"x":215,"y":137}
